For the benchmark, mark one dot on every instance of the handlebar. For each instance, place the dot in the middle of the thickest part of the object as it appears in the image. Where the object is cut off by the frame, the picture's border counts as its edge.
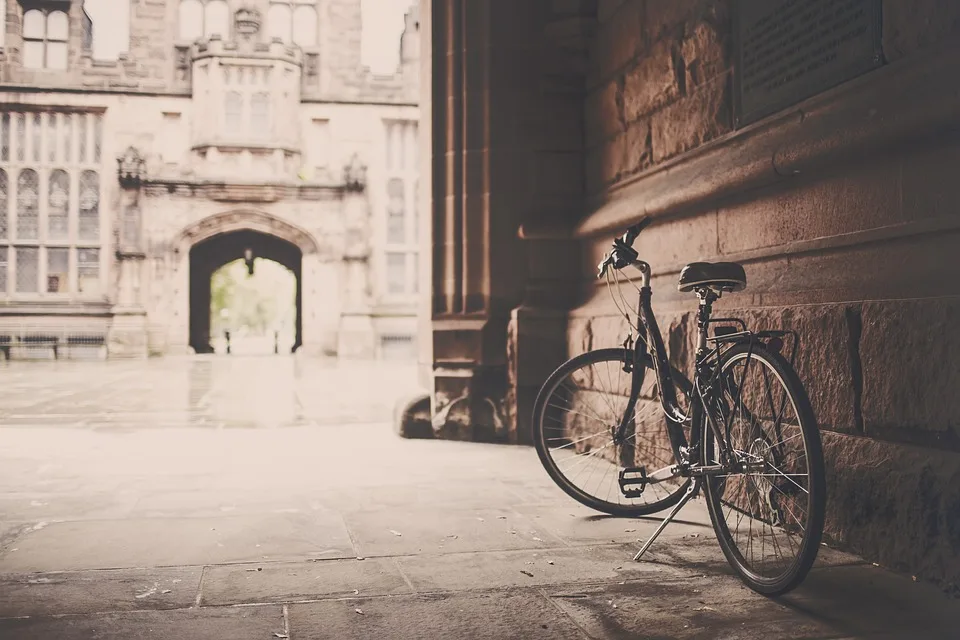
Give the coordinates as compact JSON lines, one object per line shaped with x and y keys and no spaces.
{"x":623,"y":253}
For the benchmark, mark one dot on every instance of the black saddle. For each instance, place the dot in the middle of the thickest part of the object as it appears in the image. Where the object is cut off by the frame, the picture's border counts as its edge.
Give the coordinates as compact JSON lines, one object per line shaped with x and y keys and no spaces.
{"x":724,"y":276}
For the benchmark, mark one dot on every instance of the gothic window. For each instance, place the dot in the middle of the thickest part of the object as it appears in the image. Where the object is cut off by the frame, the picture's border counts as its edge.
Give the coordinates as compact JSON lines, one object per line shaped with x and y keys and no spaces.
{"x":233,"y":112}
{"x":89,"y":219}
{"x":28,"y":269}
{"x":58,"y":206}
{"x":396,"y":273}
{"x":260,"y":114}
{"x":293,"y":21}
{"x":279,"y":21}
{"x":49,"y":202}
{"x":4,"y":189}
{"x":305,"y":26}
{"x":216,"y":19}
{"x":400,"y":208}
{"x":28,"y":210}
{"x":58,"y":269}
{"x":395,"y":210}
{"x":45,"y":39}
{"x":191,"y":20}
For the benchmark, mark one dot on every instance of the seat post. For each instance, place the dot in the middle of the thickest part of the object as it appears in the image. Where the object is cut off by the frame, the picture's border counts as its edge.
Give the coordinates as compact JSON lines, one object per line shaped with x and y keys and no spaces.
{"x":707,"y":297}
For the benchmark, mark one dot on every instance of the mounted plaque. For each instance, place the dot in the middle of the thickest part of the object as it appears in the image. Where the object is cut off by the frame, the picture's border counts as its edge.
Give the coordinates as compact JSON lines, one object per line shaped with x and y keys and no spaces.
{"x":789,"y":50}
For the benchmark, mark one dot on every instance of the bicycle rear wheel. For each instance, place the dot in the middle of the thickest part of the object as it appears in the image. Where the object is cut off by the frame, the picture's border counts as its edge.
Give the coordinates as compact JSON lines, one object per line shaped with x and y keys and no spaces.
{"x":574,"y":418}
{"x":769,"y":517}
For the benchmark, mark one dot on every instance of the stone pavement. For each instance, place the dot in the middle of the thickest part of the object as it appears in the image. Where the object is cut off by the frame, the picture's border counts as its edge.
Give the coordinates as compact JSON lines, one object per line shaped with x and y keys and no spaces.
{"x":264,"y":498}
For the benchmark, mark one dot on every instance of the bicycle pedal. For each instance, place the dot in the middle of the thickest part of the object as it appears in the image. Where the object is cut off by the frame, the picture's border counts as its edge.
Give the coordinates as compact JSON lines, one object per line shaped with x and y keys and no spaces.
{"x":629,"y":480}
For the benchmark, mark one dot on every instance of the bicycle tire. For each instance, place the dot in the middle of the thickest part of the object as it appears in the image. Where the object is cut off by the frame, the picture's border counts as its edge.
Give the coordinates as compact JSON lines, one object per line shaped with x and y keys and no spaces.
{"x":620,"y":356}
{"x":816,"y":500}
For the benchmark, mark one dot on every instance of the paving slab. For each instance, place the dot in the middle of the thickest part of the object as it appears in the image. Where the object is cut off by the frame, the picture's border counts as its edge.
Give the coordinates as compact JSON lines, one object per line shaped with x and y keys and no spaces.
{"x":75,"y":592}
{"x":526,"y":568}
{"x":423,"y":530}
{"x":234,"y":623}
{"x":111,"y":544}
{"x":296,"y":581}
{"x":499,"y":615}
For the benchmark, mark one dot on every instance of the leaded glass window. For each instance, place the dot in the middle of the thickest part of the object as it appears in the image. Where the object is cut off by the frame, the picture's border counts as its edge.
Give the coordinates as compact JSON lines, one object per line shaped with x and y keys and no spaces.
{"x":279,"y":21}
{"x":233,"y":112}
{"x":88,"y":270}
{"x":58,"y":270}
{"x":28,"y":269}
{"x":260,"y":114}
{"x":50,"y":214}
{"x":396,"y":234}
{"x":28,"y":205}
{"x":45,"y":36}
{"x":4,"y":270}
{"x":89,"y":220}
{"x":4,"y":190}
{"x":58,"y":206}
{"x":396,"y":272}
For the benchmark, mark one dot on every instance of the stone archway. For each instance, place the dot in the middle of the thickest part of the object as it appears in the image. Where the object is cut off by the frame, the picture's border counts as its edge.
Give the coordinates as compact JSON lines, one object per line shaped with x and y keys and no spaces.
{"x":215,"y":241}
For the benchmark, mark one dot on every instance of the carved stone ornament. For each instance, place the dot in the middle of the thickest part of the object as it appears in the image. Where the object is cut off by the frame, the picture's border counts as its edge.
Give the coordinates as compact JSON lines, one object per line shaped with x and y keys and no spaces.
{"x":248,"y":21}
{"x":355,"y":174}
{"x":131,"y":168}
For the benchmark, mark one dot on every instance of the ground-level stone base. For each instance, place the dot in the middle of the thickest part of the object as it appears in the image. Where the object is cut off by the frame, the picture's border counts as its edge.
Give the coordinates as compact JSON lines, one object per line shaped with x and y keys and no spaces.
{"x":128,"y":336}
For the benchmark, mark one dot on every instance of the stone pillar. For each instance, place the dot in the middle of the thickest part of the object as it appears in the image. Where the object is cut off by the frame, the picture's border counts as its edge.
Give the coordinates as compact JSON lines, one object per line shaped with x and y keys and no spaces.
{"x":356,"y":338}
{"x":322,"y":278}
{"x":127,"y":337}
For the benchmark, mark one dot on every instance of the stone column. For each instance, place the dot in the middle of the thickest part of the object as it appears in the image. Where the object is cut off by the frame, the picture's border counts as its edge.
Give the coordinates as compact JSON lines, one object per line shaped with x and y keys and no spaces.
{"x":321,"y":281}
{"x":127,"y":337}
{"x":356,"y":338}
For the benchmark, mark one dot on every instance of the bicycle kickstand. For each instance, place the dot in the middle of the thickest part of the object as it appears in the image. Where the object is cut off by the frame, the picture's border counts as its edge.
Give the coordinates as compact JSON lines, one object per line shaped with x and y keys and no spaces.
{"x":691,"y":490}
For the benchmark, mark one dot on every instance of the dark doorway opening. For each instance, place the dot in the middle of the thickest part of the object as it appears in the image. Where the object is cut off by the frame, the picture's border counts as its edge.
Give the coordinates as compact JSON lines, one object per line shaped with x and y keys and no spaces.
{"x":208,"y":256}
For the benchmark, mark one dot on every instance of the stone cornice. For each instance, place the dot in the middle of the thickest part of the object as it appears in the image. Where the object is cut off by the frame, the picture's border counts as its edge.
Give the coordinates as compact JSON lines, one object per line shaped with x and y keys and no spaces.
{"x":237,"y":191}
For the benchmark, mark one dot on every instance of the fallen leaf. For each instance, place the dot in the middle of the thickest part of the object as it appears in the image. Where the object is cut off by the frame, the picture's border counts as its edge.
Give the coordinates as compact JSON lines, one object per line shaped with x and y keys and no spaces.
{"x":481,"y":519}
{"x":165,"y":591}
{"x":280,"y":635}
{"x":356,"y":592}
{"x":704,"y":609}
{"x":537,"y":539}
{"x":360,"y":557}
{"x":526,"y":573}
{"x":501,"y":517}
{"x":396,"y":533}
{"x":360,"y":611}
{"x":629,"y":530}
{"x":549,"y":561}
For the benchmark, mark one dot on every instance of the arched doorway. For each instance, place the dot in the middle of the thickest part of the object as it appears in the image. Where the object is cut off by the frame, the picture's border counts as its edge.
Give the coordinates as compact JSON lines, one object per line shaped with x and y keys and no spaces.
{"x":208,"y":255}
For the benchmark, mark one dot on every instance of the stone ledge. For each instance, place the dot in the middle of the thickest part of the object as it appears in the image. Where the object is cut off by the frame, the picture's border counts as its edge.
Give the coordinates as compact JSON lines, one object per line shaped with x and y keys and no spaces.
{"x":905,"y":102}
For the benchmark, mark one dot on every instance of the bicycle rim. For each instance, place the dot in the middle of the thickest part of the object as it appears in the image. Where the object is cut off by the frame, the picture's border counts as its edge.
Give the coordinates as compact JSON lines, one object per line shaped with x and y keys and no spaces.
{"x":768,"y":517}
{"x":575,"y":415}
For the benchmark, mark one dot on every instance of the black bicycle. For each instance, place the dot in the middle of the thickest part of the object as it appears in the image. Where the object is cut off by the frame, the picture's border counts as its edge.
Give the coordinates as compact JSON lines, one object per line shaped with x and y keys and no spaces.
{"x":743,"y":430}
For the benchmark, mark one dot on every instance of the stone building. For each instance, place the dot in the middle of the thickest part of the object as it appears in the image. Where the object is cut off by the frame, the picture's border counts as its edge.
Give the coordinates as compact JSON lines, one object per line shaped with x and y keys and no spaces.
{"x":814,"y":142}
{"x":216,"y":130}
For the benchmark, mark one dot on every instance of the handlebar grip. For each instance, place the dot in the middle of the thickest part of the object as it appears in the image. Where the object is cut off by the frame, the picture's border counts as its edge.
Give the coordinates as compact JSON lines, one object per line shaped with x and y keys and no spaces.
{"x":634,"y":231}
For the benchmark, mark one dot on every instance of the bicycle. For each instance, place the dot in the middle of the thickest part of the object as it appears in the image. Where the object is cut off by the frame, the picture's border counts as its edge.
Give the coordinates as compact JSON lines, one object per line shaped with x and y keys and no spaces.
{"x":717,"y":433}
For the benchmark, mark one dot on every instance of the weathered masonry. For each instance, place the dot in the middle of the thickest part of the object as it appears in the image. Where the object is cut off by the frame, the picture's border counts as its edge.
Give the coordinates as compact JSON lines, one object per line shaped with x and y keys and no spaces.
{"x":817,"y":143}
{"x":144,"y":144}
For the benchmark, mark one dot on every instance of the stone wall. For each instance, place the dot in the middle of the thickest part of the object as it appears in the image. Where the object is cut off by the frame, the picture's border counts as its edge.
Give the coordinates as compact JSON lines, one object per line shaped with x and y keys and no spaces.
{"x":842,"y":210}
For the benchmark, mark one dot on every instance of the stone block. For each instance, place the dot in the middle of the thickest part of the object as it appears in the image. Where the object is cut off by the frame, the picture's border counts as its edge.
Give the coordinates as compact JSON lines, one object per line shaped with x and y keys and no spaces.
{"x":861,"y":198}
{"x":652,"y":82}
{"x":826,"y":357}
{"x":603,"y":113}
{"x":617,"y":43}
{"x":639,"y":147}
{"x":896,"y":505}
{"x":705,"y":54}
{"x":666,"y":19}
{"x":910,"y":350}
{"x":911,"y":27}
{"x":929,"y":184}
{"x":703,"y":115}
{"x":613,"y":160}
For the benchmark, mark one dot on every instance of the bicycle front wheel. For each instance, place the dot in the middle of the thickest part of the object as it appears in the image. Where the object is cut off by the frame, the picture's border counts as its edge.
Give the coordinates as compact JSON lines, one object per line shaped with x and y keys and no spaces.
{"x":574,"y":420}
{"x":769,"y":514}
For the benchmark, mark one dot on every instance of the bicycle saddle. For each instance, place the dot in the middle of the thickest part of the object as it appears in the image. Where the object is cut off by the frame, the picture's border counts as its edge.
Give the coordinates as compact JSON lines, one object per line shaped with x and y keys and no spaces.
{"x":726,"y":276}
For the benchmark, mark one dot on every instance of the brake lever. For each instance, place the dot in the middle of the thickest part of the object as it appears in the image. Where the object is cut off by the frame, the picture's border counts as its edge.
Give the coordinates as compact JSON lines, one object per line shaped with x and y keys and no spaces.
{"x":602,"y":267}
